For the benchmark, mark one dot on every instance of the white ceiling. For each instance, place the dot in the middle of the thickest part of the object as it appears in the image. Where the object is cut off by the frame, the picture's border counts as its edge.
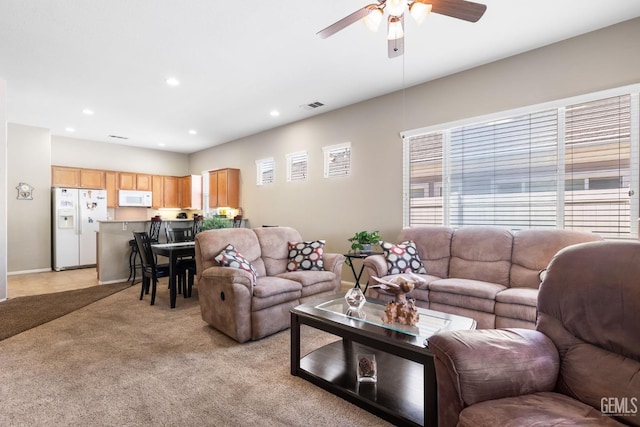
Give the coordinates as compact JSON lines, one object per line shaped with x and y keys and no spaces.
{"x":238,"y":60}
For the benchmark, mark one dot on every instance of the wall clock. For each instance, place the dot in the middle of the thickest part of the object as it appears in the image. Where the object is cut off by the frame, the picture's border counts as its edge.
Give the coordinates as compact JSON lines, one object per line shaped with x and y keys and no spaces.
{"x":25,"y":191}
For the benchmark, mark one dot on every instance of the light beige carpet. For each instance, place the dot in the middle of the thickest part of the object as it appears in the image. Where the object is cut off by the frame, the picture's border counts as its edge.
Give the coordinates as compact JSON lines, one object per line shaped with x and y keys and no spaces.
{"x":122,"y":362}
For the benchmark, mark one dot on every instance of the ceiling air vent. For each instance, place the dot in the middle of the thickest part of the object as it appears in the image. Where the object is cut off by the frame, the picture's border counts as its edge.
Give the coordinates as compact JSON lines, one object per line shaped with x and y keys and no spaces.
{"x":118,"y":137}
{"x":313,"y":105}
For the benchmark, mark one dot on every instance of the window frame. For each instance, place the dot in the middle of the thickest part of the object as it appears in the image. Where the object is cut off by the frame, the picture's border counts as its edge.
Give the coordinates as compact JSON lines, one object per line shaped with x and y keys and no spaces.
{"x":559,"y":105}
{"x":292,"y":158}
{"x":327,"y":153}
{"x":261,"y":169}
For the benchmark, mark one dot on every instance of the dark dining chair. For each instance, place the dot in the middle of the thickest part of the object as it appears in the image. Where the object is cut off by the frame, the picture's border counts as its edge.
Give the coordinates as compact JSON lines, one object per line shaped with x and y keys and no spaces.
{"x":151,"y":271}
{"x":134,"y":255}
{"x":185,"y":266}
{"x":175,"y":235}
{"x":237,"y":221}
{"x":197,"y":225}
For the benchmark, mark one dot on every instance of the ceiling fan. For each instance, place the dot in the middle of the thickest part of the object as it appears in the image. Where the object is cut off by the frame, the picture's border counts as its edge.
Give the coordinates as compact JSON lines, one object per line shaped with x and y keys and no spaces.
{"x":372,"y":15}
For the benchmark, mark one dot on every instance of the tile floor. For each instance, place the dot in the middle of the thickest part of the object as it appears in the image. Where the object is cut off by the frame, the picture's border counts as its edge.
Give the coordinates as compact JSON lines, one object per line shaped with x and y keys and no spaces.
{"x":19,"y":285}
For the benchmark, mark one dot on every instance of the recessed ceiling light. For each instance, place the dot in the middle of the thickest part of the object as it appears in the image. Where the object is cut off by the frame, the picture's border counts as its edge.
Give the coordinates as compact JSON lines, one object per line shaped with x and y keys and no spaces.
{"x":162,"y":144}
{"x":172,"y":81}
{"x":69,"y":129}
{"x":193,"y":132}
{"x":274,"y":113}
{"x":87,"y":111}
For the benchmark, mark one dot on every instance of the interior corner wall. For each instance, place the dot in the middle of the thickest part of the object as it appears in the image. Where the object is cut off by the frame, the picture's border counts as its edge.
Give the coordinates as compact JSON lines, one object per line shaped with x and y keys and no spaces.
{"x":371,"y":197}
{"x":3,"y":192}
{"x":29,"y":228}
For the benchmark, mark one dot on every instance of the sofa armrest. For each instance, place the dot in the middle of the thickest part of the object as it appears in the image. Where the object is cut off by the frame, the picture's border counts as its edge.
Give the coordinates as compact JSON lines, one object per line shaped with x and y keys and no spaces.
{"x":229,"y":275}
{"x":333,"y":262}
{"x":486,"y":364}
{"x":376,"y":265}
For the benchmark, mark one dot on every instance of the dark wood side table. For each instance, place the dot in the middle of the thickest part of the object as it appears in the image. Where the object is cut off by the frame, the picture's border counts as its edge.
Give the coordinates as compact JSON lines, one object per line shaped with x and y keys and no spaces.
{"x":361,"y":256}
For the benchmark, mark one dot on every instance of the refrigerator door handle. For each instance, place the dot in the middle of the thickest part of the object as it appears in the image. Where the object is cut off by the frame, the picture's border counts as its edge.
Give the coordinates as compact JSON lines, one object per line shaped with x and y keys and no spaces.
{"x":79,"y":218}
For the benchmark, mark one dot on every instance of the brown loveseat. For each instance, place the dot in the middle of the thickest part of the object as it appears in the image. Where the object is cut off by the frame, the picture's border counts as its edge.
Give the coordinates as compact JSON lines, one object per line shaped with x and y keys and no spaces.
{"x":487,"y":273}
{"x":232,"y":304}
{"x":580,"y":367}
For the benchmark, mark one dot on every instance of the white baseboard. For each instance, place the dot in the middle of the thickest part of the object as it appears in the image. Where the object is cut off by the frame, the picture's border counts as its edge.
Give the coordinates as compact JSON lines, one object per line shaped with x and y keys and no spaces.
{"x":39,"y":270}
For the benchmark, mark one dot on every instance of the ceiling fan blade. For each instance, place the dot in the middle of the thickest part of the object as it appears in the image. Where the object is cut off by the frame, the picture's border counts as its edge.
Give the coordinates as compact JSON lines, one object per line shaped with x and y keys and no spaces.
{"x":345,"y":22}
{"x":460,"y":9}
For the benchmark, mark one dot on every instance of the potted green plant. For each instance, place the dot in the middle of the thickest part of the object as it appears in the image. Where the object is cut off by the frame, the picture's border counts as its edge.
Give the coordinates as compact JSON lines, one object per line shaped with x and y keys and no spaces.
{"x":214,"y":222}
{"x":362,"y":241}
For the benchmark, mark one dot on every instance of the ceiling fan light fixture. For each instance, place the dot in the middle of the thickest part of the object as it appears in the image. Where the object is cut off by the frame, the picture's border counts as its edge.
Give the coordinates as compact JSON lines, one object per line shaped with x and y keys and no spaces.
{"x":373,"y":19}
{"x":395,"y":29}
{"x":396,"y":7}
{"x":419,"y":10}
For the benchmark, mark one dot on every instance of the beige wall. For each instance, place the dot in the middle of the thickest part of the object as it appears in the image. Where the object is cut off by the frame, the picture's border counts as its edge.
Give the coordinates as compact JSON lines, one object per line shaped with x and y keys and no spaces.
{"x":29,"y":233}
{"x":99,"y":155}
{"x":3,"y":192}
{"x":371,"y":198}
{"x":31,"y":152}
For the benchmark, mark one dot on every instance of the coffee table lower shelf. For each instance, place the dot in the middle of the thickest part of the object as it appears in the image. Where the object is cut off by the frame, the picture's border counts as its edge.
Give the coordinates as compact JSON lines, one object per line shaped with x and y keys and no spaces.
{"x":397,"y":396}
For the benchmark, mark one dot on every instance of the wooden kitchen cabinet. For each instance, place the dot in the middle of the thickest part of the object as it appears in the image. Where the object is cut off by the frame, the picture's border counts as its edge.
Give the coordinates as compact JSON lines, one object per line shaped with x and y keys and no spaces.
{"x":224,"y":188}
{"x":65,"y":177}
{"x":91,"y":178}
{"x":111,"y":181}
{"x":127,"y":181}
{"x":157,"y":188}
{"x":171,"y":192}
{"x":191,"y":192}
{"x":143,"y":182}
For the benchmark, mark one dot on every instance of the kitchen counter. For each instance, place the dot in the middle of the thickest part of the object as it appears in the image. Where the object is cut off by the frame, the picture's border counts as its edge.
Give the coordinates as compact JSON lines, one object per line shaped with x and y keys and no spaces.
{"x":113,"y":246}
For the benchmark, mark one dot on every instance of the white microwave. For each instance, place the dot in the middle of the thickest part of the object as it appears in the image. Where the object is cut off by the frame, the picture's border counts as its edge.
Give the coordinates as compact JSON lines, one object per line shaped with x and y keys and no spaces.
{"x":135,"y":198}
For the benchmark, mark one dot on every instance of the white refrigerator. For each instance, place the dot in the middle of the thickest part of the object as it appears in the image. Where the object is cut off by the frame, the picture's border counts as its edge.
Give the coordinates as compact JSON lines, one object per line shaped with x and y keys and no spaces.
{"x":75,"y":216}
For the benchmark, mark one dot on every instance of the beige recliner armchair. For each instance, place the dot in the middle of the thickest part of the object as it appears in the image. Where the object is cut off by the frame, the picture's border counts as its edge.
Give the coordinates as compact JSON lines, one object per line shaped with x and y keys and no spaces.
{"x":581,"y":366}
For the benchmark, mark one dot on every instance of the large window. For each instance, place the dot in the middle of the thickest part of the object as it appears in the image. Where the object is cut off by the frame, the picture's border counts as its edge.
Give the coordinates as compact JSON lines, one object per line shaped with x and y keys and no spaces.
{"x":572,"y":166}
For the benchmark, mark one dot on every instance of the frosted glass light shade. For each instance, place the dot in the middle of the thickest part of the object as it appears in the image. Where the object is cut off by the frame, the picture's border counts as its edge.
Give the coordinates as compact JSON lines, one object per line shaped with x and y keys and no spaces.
{"x":396,"y":7}
{"x":419,"y":11}
{"x":395,"y":29}
{"x":372,"y":20}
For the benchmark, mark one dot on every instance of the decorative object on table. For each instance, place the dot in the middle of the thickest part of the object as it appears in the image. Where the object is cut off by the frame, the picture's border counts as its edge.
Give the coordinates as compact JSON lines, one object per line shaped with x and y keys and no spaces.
{"x":400,"y":310}
{"x":355,"y":298}
{"x":362,"y":241}
{"x":215,"y":222}
{"x":367,"y":369}
{"x":356,"y":313}
{"x":25,"y":191}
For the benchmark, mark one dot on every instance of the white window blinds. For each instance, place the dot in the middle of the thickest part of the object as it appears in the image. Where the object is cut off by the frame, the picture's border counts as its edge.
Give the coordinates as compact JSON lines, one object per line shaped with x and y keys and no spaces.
{"x":597,"y":166}
{"x":337,"y":160}
{"x":264,"y":171}
{"x":504,"y":172}
{"x":573,"y":166}
{"x":297,"y":166}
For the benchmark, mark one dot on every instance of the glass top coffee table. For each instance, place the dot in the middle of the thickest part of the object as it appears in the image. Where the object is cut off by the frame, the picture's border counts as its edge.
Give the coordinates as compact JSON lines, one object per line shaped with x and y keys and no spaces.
{"x":405,"y":391}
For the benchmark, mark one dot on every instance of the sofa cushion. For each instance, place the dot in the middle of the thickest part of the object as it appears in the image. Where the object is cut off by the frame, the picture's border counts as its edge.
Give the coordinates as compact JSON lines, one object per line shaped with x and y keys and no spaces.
{"x":481,"y":253}
{"x":268,"y":286}
{"x":521,"y":296}
{"x":475,"y":288}
{"x":434,"y":246}
{"x":538,"y":409}
{"x":308,"y":278}
{"x":306,"y":255}
{"x":274,"y":247}
{"x":533,"y":250}
{"x":230,"y":257}
{"x":209,"y":243}
{"x":402,"y":258}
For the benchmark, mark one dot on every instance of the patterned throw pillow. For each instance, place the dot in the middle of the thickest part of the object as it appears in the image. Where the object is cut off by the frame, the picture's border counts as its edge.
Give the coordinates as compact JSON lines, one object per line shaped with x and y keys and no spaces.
{"x":306,"y":255}
{"x":230,"y":257}
{"x":402,"y":258}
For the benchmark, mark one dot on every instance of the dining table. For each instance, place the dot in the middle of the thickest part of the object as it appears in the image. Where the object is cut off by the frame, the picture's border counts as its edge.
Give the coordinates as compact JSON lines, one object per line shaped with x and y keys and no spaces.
{"x":174,"y":251}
